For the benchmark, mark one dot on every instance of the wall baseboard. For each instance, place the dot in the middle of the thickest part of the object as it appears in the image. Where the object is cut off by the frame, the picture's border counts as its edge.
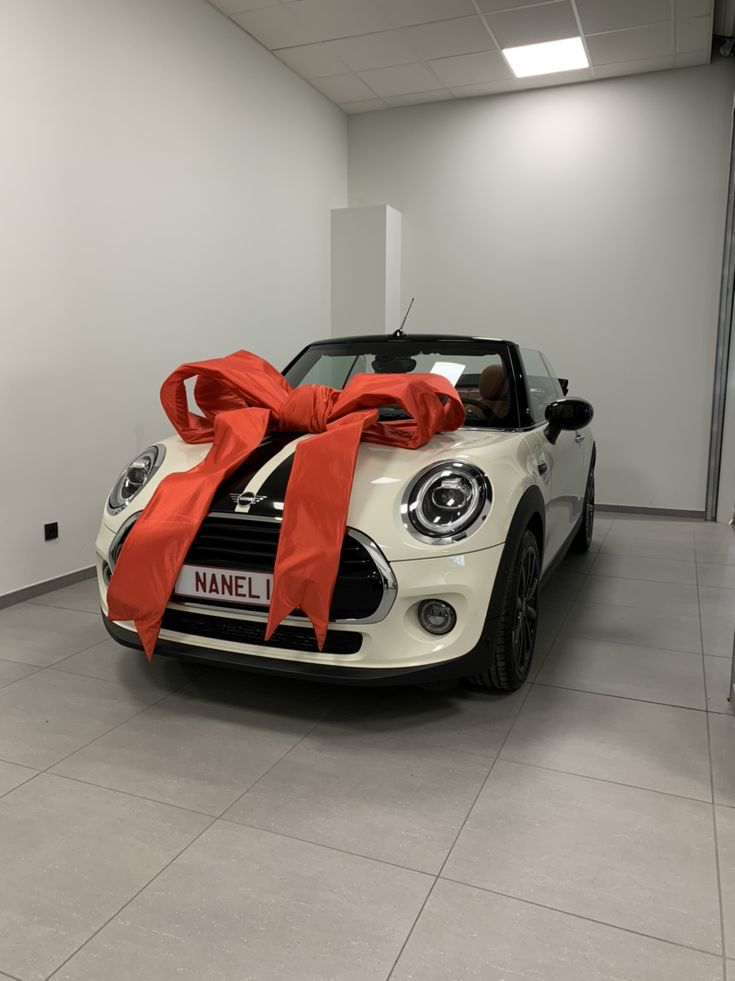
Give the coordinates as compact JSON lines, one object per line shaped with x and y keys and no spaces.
{"x":39,"y":588}
{"x":660,"y":512}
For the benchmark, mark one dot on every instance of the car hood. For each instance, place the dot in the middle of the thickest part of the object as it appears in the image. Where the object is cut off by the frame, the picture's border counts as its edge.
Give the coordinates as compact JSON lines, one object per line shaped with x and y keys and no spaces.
{"x":382,"y":476}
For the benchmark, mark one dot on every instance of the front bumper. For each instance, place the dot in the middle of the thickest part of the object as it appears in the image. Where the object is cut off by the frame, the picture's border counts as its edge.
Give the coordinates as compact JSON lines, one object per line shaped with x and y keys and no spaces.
{"x":392,"y":650}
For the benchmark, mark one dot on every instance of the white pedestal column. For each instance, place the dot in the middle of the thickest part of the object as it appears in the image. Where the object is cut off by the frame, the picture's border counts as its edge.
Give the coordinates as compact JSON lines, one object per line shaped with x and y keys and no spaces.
{"x":366,"y":270}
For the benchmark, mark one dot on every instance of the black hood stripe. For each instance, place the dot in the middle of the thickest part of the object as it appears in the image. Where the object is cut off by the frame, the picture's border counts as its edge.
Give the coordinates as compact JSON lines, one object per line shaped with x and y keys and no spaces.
{"x":224,"y":500}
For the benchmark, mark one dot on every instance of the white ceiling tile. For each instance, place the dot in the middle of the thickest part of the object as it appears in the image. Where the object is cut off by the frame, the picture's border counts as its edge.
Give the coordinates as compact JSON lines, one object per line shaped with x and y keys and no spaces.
{"x":637,"y":44}
{"x":343,"y":88}
{"x":400,"y":80}
{"x":613,"y":15}
{"x":365,"y":105}
{"x":492,"y":5}
{"x":406,"y":13}
{"x":280,"y":27}
{"x":532,"y":25}
{"x":635,"y":67}
{"x":311,"y":60}
{"x":694,"y":58}
{"x":230,"y":7}
{"x":417,"y":98}
{"x":484,"y":88}
{"x":694,"y":8}
{"x":445,"y":38}
{"x":373,"y":50}
{"x":693,"y":34}
{"x":486,"y":66}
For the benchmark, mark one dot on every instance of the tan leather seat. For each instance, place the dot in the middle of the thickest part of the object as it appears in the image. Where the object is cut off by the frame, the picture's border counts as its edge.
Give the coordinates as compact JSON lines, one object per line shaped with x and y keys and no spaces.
{"x":494,"y":389}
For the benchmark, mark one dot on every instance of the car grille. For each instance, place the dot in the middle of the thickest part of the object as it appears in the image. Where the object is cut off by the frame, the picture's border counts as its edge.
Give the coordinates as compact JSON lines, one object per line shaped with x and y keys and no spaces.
{"x":252,"y":632}
{"x":249,"y":544}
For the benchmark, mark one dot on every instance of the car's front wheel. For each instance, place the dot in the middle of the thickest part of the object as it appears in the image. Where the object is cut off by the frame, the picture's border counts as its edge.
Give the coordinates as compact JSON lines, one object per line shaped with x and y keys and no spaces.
{"x":517,"y":625}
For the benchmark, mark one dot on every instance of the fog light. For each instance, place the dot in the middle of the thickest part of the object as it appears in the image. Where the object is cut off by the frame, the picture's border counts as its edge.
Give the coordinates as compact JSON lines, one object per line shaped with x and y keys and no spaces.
{"x":436,"y":616}
{"x":106,"y":573}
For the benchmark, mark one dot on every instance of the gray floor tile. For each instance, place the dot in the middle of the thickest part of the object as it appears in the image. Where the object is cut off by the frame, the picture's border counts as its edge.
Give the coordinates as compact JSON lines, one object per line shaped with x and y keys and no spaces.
{"x":651,"y":547}
{"x":71,"y":856}
{"x":716,"y":602}
{"x":717,"y":677}
{"x":718,"y":635}
{"x":634,"y":626}
{"x":42,"y":635}
{"x":50,"y":714}
{"x":725,"y":817}
{"x":663,"y":597}
{"x":202,"y":747}
{"x":377,"y":796}
{"x":84,"y":596}
{"x":241,"y":903}
{"x":631,"y":858}
{"x":463,"y":720}
{"x":652,"y":746}
{"x":12,"y":776}
{"x":718,"y":553}
{"x":11,"y":671}
{"x":722,"y":742}
{"x":562,"y":586}
{"x":668,"y":677}
{"x":466,"y":934}
{"x":579,"y":562}
{"x":659,"y":529}
{"x":713,"y":531}
{"x":644,"y":567}
{"x":112,"y":662}
{"x":716,"y":575}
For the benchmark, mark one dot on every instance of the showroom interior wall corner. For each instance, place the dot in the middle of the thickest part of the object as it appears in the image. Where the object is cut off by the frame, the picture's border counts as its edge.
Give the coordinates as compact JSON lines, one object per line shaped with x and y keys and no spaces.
{"x":587,"y":220}
{"x":165,"y":192}
{"x":366,"y":270}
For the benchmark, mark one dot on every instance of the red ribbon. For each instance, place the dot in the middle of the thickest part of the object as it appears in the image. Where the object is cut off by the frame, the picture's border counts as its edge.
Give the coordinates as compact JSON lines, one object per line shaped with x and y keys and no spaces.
{"x":242,"y":398}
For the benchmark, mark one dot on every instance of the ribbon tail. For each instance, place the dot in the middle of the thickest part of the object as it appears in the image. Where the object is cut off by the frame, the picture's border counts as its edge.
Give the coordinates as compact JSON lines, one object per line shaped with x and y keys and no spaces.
{"x":148,"y":631}
{"x":314,"y":520}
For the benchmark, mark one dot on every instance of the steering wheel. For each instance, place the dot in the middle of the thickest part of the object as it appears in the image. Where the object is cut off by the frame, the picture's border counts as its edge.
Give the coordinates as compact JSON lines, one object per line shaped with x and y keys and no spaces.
{"x":484,"y":409}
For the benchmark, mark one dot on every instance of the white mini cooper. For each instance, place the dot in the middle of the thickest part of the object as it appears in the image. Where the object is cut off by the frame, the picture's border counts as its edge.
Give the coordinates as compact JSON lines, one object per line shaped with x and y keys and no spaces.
{"x":446,"y":545}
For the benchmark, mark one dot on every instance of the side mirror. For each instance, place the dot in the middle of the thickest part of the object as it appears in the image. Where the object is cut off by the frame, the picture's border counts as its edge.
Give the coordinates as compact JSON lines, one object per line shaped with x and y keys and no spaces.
{"x":569,"y":413}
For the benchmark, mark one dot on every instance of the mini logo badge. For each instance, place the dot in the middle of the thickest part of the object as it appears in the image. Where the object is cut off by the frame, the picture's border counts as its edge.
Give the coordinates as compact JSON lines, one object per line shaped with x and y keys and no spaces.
{"x":245,"y":500}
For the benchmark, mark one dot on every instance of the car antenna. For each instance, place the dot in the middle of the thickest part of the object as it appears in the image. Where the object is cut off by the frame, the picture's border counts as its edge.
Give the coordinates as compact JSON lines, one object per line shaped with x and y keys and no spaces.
{"x":399,"y":332}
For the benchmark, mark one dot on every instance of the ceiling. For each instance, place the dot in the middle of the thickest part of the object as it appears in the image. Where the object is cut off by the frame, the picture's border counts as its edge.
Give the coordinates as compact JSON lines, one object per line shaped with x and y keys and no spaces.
{"x":372,"y":54}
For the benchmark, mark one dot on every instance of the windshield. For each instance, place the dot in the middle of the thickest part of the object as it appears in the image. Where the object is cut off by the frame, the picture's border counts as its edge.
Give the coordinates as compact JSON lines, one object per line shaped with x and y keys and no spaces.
{"x":479,"y":370}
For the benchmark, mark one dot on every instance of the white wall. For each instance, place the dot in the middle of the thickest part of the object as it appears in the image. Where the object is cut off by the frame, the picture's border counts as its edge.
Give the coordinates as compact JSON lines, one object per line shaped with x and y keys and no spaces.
{"x":165,"y":192}
{"x":587,"y":220}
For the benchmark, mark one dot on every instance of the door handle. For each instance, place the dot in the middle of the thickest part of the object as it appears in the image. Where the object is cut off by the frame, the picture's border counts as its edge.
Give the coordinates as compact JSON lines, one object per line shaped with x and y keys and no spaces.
{"x":578,"y":438}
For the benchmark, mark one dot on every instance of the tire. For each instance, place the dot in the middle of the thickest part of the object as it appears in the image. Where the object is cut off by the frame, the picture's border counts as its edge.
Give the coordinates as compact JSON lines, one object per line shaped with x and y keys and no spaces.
{"x":583,"y":539}
{"x":517,"y":625}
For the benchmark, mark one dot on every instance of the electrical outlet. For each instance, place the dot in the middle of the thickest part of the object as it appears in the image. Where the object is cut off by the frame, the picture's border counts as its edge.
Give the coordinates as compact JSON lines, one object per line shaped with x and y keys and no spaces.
{"x":51,"y":531}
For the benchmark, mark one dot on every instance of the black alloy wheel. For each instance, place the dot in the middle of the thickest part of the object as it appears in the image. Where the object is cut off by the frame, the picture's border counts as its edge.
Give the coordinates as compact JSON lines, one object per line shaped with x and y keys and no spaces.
{"x":514,"y":632}
{"x":583,"y":538}
{"x":526,"y":620}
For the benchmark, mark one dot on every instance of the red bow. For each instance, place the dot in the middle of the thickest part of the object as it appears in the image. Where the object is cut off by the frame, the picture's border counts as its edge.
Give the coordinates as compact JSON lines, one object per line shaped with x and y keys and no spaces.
{"x":242,"y":397}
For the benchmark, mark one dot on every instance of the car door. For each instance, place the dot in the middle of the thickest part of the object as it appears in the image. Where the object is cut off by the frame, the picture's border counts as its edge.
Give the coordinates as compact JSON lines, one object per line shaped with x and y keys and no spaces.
{"x":565,"y":458}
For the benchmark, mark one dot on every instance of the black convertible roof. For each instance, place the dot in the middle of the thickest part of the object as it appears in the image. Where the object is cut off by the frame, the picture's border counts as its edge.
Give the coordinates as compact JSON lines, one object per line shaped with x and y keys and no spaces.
{"x":370,"y":338}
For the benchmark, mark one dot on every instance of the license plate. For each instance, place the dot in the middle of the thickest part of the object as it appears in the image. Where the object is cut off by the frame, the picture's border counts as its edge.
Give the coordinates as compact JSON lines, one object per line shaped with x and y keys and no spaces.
{"x":225,"y":585}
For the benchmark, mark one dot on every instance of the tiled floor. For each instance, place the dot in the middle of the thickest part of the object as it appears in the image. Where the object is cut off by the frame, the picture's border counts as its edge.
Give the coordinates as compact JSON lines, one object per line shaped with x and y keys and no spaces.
{"x":163,"y":822}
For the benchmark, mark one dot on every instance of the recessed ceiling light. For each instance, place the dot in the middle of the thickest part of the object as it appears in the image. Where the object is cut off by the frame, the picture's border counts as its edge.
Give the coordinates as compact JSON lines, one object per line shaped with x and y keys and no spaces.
{"x":547,"y":58}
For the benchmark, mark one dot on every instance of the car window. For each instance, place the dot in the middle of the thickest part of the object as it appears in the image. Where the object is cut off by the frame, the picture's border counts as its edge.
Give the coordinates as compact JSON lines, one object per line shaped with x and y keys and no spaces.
{"x":479,"y":370}
{"x":543,"y":385}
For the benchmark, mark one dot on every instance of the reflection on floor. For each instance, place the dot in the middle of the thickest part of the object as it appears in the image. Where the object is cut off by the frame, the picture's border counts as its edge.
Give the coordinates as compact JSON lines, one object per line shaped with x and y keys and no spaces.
{"x":163,"y":822}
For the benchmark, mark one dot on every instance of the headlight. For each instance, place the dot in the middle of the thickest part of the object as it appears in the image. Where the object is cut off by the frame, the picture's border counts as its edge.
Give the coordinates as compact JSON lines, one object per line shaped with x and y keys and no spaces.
{"x":446,"y":502}
{"x":134,"y":478}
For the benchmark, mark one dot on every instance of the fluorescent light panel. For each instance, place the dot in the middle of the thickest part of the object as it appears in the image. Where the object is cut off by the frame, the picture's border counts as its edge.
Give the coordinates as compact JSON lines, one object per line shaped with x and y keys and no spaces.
{"x":547,"y":58}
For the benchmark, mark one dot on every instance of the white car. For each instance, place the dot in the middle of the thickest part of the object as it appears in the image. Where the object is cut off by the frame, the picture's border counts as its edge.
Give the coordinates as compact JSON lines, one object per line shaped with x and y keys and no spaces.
{"x":446,"y":545}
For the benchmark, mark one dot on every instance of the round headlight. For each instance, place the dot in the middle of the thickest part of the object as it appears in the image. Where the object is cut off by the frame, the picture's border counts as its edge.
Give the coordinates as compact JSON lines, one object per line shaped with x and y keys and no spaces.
{"x":447,"y":501}
{"x":134,"y":477}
